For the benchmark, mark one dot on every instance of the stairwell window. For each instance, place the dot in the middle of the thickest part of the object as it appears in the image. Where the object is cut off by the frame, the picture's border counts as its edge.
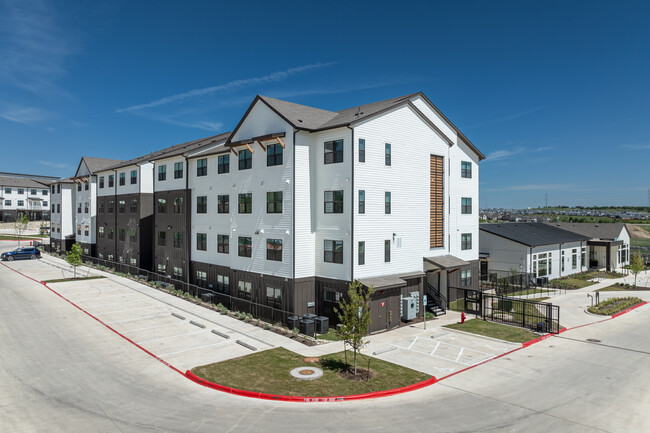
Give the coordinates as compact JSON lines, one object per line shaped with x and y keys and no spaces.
{"x":178,"y":170}
{"x":466,"y":241}
{"x":362,"y":150}
{"x":387,"y":250}
{"x":387,"y":203}
{"x":274,"y":202}
{"x":110,"y":206}
{"x":466,"y":278}
{"x":100,"y":232}
{"x":223,"y":244}
{"x":245,"y":159}
{"x":333,"y":201}
{"x":274,"y":155}
{"x":111,"y":234}
{"x":162,"y":173}
{"x":223,"y":204}
{"x":387,"y":154}
{"x":202,"y":167}
{"x":274,"y":250}
{"x":362,"y":253}
{"x":333,"y":152}
{"x":201,"y":241}
{"x":202,"y":204}
{"x":245,"y":246}
{"x":246,"y":203}
{"x":362,"y":201}
{"x":223,"y":164}
{"x":466,"y":206}
{"x":466,"y":169}
{"x":86,"y":207}
{"x":333,"y":251}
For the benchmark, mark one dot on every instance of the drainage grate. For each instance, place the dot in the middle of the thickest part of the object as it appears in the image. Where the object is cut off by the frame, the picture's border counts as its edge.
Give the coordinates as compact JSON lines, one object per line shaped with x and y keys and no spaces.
{"x":593,"y":340}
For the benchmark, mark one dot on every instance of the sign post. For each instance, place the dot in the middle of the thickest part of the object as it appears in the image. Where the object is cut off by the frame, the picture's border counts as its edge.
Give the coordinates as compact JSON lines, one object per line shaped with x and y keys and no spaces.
{"x":424,"y":310}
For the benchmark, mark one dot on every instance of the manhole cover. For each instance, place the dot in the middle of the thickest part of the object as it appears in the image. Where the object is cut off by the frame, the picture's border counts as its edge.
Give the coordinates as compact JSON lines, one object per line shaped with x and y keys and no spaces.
{"x":306,"y":373}
{"x":593,"y":340}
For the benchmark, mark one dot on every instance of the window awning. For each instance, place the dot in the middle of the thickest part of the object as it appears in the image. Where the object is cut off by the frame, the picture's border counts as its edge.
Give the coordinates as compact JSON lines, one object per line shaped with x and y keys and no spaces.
{"x":447,"y":262}
{"x":276,"y":137}
{"x":386,"y":282}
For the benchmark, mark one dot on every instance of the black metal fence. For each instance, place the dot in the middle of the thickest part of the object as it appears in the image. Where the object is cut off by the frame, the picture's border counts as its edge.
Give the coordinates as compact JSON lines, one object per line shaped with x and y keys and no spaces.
{"x":207,"y":294}
{"x":517,"y":285}
{"x":525,"y":313}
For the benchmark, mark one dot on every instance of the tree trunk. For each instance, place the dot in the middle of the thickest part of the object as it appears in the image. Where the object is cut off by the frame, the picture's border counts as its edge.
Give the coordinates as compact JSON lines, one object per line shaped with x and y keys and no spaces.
{"x":355,"y":361}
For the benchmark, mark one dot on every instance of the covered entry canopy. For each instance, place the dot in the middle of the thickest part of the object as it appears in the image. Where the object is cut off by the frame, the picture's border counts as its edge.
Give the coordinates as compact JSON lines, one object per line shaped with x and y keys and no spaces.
{"x":386,"y":282}
{"x":447,"y":262}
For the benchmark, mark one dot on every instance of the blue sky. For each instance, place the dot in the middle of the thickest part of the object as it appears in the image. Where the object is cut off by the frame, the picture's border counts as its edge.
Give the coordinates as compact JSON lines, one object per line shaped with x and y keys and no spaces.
{"x":555,"y":93}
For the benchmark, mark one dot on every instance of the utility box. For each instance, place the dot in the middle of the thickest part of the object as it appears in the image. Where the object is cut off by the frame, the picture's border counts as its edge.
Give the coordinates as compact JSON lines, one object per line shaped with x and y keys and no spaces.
{"x":307,"y":327}
{"x":409,"y":309}
{"x":293,"y":322}
{"x":322,"y":325}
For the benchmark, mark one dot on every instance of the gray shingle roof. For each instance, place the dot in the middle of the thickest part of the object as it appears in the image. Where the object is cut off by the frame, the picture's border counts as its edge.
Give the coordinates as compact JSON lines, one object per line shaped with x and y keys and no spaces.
{"x":533,"y":234}
{"x":98,"y":164}
{"x":594,"y":231}
{"x":22,"y":182}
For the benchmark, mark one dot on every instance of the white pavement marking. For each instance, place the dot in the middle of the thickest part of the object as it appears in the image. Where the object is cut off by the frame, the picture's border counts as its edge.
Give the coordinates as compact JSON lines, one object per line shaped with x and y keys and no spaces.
{"x":194,"y":348}
{"x":128,"y":309}
{"x":97,"y":296}
{"x":112,"y":303}
{"x":435,"y":348}
{"x":137,"y":318}
{"x":460,"y":354}
{"x":169,"y":336}
{"x":412,"y":343}
{"x":153,"y":327}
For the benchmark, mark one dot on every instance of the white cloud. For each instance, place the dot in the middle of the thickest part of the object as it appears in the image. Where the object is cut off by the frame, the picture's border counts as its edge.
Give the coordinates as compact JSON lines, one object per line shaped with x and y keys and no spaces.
{"x":25,"y":115}
{"x":506,"y":118}
{"x":509,"y":153}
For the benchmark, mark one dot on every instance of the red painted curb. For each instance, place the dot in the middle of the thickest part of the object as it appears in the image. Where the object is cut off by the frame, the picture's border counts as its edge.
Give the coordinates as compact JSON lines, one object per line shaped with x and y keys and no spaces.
{"x":627,"y":310}
{"x":305,"y":399}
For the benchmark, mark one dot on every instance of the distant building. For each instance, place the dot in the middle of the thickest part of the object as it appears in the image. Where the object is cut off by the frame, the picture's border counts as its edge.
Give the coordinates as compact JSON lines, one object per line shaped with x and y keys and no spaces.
{"x":24,"y":194}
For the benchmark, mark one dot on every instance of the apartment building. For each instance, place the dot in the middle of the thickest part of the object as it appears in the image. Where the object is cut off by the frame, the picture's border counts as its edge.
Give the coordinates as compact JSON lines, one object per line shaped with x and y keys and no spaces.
{"x":24,"y":194}
{"x":300,"y":201}
{"x":62,"y":214}
{"x":85,"y":200}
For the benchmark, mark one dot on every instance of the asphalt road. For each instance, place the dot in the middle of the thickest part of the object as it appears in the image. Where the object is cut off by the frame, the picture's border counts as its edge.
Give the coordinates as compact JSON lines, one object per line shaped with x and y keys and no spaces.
{"x":61,"y":371}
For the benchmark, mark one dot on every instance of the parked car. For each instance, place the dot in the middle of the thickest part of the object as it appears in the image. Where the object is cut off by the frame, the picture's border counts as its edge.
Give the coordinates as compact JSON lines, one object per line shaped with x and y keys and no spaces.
{"x":21,"y":253}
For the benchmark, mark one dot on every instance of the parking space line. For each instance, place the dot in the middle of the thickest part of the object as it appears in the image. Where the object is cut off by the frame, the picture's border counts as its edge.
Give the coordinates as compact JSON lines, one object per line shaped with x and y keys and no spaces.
{"x":127,"y":309}
{"x":194,"y":348}
{"x":435,"y":348}
{"x":412,"y":343}
{"x":98,"y":296}
{"x":460,"y":354}
{"x":153,"y":327}
{"x":112,"y":303}
{"x":169,"y":336}
{"x":138,"y":318}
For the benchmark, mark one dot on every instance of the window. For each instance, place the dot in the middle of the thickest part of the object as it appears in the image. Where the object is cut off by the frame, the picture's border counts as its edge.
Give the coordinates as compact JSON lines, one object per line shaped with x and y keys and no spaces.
{"x":223,"y":204}
{"x":178,"y":240}
{"x":32,"y":191}
{"x":362,"y":150}
{"x":274,"y":297}
{"x":246,"y":203}
{"x":44,"y":192}
{"x":121,"y":206}
{"x":466,"y":169}
{"x":245,"y":159}
{"x":121,"y":234}
{"x":333,"y":151}
{"x":21,"y":191}
{"x":22,"y":203}
{"x":7,"y":190}
{"x":362,"y":253}
{"x":162,"y":205}
{"x":58,"y":228}
{"x":274,"y":249}
{"x":162,"y":239}
{"x":86,"y":186}
{"x":53,"y":189}
{"x":111,"y":180}
{"x":100,"y":232}
{"x":100,"y":255}
{"x":178,"y":272}
{"x":201,"y":241}
{"x":45,"y":203}
{"x":466,"y":241}
{"x":178,"y":170}
{"x":133,"y":262}
{"x":362,"y":201}
{"x":111,"y":234}
{"x":133,"y":235}
{"x":466,"y":278}
{"x":111,"y":204}
{"x":387,"y":203}
{"x":387,"y":154}
{"x":244,"y":289}
{"x":562,"y":261}
{"x":178,"y":205}
{"x":466,"y":205}
{"x":58,"y":189}
{"x":334,"y":251}
{"x":542,"y":264}
{"x":121,"y":259}
{"x":223,"y":244}
{"x":58,"y":208}
{"x":331,"y":296}
{"x":574,"y":258}
{"x":134,"y":177}
{"x":101,"y":182}
{"x":223,"y":283}
{"x":202,"y":204}
{"x":245,"y":246}
{"x":122,"y":179}
{"x":201,"y":278}
{"x":333,"y":201}
{"x":79,"y":229}
{"x":223,"y":164}
{"x":7,"y":202}
{"x":162,"y":172}
{"x":202,"y":167}
{"x":274,"y":155}
{"x":583,"y":256}
{"x":162,"y":268}
{"x":387,"y":251}
{"x":53,"y":208}
{"x":78,"y":207}
{"x":274,"y":202}
{"x":133,"y":208}
{"x":79,"y":187}
{"x":86,"y":207}
{"x":86,"y":231}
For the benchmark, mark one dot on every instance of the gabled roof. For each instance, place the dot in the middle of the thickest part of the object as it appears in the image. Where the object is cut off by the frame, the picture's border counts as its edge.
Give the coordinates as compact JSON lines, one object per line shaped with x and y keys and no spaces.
{"x":607,"y":231}
{"x":22,"y":182}
{"x":533,"y":234}
{"x":303,"y":117}
{"x":97,"y":164}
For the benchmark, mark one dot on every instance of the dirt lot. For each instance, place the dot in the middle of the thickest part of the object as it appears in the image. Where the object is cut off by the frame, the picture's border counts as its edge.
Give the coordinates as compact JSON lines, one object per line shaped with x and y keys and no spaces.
{"x":638,"y":231}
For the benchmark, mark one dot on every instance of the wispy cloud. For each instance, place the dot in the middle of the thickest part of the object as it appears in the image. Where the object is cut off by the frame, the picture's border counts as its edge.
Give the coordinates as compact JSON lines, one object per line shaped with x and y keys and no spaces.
{"x":635,"y":146}
{"x":26,"y":115}
{"x":33,"y":46}
{"x":509,"y":153}
{"x":52,"y":164}
{"x":231,"y":85}
{"x":506,"y":118}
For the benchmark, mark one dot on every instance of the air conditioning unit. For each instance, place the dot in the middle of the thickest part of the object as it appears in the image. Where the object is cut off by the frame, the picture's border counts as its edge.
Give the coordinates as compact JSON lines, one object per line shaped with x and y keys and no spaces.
{"x":409,"y":309}
{"x":542,"y":281}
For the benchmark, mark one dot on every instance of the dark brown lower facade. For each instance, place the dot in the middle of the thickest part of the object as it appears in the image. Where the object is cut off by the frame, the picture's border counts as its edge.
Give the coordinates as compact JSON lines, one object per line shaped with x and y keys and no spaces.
{"x":171,"y":237}
{"x":61,"y":245}
{"x":9,"y":216}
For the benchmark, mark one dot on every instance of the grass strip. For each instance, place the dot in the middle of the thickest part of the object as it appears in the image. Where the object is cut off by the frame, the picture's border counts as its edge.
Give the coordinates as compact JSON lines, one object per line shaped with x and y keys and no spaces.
{"x":63,"y":280}
{"x":494,"y":330}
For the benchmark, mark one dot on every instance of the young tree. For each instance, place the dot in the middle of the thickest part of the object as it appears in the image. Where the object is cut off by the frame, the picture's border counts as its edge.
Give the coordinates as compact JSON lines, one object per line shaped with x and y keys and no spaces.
{"x":73,"y":257}
{"x":636,"y":266}
{"x":354,"y":317}
{"x":20,"y":225}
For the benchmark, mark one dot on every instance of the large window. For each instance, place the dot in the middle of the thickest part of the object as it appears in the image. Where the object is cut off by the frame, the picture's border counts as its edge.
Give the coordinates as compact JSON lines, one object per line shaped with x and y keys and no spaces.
{"x":333,"y":201}
{"x":201,"y":241}
{"x":122,"y":179}
{"x":162,"y":239}
{"x":134,"y":177}
{"x":178,"y":170}
{"x":387,"y":202}
{"x":362,"y":201}
{"x":274,"y":249}
{"x":245,"y":159}
{"x":333,"y":151}
{"x":202,"y":167}
{"x":178,"y":205}
{"x":362,"y":253}
{"x":387,"y":154}
{"x":162,"y":172}
{"x":110,"y":207}
{"x":466,"y":241}
{"x":274,"y":202}
{"x":178,"y":240}
{"x":133,"y":208}
{"x":223,"y":284}
{"x":202,"y":204}
{"x":387,"y":250}
{"x":245,"y":246}
{"x":274,"y":297}
{"x":244,"y":289}
{"x":466,"y":205}
{"x":111,"y":180}
{"x":334,"y":251}
{"x":86,"y":207}
{"x":223,"y":204}
{"x":246,"y":203}
{"x":466,"y":278}
{"x":201,"y":278}
{"x":223,"y":164}
{"x":162,"y":205}
{"x":101,"y":183}
{"x":274,"y":155}
{"x":466,"y":169}
{"x":362,"y":150}
{"x":542,"y":264}
{"x":121,"y":206}
{"x":223,"y":244}
{"x":574,"y":258}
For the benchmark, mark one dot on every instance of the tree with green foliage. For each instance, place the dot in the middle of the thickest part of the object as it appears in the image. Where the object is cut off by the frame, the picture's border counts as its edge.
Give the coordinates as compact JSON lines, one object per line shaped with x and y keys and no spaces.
{"x":636,"y":266}
{"x":20,"y":225}
{"x":354,"y":317}
{"x":73,"y":257}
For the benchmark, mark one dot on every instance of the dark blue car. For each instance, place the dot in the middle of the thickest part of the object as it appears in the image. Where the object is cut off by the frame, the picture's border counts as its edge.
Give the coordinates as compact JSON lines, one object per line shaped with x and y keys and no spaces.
{"x":21,"y":253}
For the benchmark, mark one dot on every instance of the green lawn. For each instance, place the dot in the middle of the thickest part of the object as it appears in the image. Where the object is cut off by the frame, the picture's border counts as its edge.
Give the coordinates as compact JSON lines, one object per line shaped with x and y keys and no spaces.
{"x":63,"y":280}
{"x":571,"y":283}
{"x":601,"y":274}
{"x":494,"y":330}
{"x":528,"y":292}
{"x":637,"y":242}
{"x":330,"y":336}
{"x":23,"y":237}
{"x":268,"y":372}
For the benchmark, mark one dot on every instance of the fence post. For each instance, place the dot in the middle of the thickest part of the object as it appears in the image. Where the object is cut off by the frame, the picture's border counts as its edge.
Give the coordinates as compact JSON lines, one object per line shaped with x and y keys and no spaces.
{"x":523,"y":314}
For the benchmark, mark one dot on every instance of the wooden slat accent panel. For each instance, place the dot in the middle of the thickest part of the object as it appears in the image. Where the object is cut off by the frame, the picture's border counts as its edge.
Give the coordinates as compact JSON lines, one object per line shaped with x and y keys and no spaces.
{"x":437,"y":202}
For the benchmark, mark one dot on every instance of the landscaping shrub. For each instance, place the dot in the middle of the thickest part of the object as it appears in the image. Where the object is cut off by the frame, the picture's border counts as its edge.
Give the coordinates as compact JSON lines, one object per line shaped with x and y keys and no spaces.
{"x":614,"y":305}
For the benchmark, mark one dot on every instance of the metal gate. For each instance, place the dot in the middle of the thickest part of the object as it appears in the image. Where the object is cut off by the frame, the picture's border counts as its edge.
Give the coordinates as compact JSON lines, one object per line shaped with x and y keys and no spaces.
{"x":538,"y":316}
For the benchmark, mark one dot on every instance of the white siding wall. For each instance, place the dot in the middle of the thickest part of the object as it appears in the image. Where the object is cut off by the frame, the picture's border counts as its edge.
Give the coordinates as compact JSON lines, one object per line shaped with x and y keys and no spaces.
{"x":65,"y":219}
{"x":102,"y":192}
{"x":460,"y":187}
{"x":305,"y":230}
{"x":145,"y":178}
{"x":556,"y":251}
{"x":169,"y":184}
{"x":86,"y":219}
{"x":128,"y":188}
